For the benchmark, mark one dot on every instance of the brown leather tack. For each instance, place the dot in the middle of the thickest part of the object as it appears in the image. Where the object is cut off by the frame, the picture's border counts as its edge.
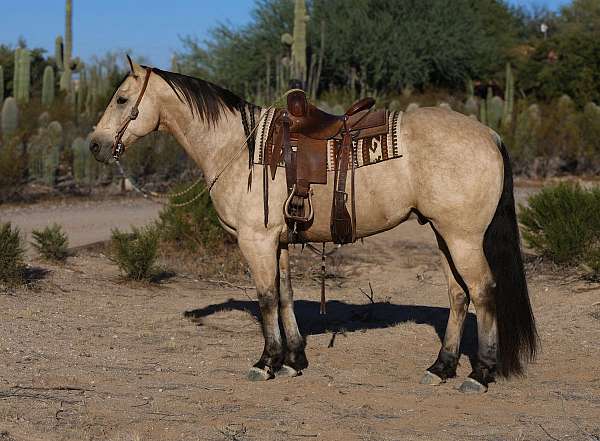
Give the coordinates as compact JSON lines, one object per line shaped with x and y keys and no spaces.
{"x":300,"y":137}
{"x":311,"y":161}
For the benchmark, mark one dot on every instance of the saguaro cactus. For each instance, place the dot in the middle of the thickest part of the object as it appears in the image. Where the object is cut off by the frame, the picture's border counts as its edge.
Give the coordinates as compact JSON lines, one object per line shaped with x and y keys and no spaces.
{"x":81,"y":155}
{"x":22,"y":75}
{"x":52,"y":159}
{"x":48,"y":87}
{"x":509,"y":97}
{"x":10,"y":117}
{"x":16,"y":70}
{"x":495,"y":107}
{"x":58,"y":53}
{"x":299,"y":42}
{"x":85,"y":167}
{"x":64,"y":51}
{"x":528,"y":123}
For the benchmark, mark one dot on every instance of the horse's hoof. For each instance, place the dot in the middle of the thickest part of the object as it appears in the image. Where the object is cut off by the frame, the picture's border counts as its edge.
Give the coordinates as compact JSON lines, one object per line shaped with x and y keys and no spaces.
{"x":431,"y":379}
{"x":258,"y":374}
{"x":471,"y":386}
{"x":287,"y":371}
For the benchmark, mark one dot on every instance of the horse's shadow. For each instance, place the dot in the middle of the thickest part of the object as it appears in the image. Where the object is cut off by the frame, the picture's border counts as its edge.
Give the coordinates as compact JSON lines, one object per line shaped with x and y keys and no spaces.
{"x":348,"y":317}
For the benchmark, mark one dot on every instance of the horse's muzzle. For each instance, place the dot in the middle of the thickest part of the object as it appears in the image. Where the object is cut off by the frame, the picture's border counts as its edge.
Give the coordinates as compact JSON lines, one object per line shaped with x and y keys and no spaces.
{"x":101,"y":151}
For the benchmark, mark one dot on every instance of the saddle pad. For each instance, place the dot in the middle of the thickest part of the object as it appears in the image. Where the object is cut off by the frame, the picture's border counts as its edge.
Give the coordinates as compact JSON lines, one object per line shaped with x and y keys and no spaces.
{"x":370,"y":149}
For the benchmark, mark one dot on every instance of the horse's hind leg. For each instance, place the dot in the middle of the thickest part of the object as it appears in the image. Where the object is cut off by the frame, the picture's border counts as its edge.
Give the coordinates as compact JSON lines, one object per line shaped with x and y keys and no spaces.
{"x":447,"y":359}
{"x":295,"y":357}
{"x":261,"y":253}
{"x":470,"y":261}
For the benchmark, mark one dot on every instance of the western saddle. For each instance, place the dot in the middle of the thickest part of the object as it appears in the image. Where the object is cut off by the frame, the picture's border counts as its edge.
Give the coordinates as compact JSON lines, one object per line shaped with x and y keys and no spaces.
{"x":299,"y":137}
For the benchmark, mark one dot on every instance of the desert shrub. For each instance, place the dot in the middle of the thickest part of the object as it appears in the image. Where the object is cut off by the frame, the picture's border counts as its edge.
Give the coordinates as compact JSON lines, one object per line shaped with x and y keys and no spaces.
{"x":12,"y":253}
{"x":195,"y":225}
{"x":51,"y":242}
{"x":562,"y":223}
{"x":135,"y":252}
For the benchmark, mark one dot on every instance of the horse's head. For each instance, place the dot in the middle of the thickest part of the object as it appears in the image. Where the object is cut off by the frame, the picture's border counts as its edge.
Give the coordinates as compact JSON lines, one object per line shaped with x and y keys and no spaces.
{"x":131,"y":114}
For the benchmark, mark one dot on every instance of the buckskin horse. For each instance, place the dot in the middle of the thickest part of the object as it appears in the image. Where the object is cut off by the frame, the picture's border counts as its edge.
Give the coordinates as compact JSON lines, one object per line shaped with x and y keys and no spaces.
{"x":453,"y":173}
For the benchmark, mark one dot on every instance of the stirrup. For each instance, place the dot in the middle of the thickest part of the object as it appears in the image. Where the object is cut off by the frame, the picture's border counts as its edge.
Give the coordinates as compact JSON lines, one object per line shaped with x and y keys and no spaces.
{"x":301,"y":219}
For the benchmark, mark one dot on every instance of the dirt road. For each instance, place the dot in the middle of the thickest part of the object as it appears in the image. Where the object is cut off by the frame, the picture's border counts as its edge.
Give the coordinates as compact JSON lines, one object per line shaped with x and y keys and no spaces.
{"x":85,"y":221}
{"x":86,"y":356}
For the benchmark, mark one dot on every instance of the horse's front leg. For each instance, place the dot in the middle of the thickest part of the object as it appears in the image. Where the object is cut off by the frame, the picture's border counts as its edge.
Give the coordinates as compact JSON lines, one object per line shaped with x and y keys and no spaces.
{"x":261,"y":253}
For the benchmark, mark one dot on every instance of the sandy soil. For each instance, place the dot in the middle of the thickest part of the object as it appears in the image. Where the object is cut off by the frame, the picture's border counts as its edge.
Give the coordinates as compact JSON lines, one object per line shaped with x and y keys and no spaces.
{"x":87,"y":356}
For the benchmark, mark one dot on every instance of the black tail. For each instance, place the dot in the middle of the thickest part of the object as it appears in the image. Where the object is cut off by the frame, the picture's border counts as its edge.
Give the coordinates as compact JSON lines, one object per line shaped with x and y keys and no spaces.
{"x":517,"y":336}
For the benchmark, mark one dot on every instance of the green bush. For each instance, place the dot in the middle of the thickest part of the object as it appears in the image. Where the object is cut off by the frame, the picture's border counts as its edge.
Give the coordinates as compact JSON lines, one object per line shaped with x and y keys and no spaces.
{"x":135,"y":252}
{"x":12,"y":253}
{"x":51,"y":242}
{"x":562,"y":223}
{"x":195,"y":225}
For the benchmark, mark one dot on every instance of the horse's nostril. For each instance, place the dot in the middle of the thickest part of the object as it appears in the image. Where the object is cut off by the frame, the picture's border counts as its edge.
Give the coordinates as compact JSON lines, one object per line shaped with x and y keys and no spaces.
{"x":94,"y":147}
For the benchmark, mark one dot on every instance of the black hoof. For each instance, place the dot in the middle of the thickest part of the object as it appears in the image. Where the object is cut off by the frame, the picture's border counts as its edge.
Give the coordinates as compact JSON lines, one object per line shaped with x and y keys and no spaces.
{"x":431,"y":379}
{"x":258,"y":374}
{"x":287,"y":371}
{"x":471,"y":386}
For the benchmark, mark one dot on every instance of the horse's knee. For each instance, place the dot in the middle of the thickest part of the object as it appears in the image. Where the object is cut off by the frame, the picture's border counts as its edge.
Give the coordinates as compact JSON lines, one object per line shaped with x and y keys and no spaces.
{"x":267,"y":299}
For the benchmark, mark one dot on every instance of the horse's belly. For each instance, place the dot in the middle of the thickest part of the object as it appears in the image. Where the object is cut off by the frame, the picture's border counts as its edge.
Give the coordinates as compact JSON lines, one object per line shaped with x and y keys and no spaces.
{"x":383,"y":200}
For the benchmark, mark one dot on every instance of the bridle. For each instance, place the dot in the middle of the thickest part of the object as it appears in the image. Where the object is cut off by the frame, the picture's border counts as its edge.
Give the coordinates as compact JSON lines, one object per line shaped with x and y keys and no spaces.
{"x":118,"y":147}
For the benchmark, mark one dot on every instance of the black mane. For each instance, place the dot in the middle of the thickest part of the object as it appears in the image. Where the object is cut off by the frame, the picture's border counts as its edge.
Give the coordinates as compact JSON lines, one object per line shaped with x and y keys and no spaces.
{"x":206,"y":100}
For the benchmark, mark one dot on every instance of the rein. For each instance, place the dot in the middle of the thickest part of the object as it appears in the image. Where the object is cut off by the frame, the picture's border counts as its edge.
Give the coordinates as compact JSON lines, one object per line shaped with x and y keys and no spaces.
{"x":118,"y":149}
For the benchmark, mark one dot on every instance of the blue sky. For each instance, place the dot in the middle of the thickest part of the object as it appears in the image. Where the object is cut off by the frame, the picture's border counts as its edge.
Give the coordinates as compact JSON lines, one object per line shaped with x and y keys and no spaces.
{"x":147,"y":27}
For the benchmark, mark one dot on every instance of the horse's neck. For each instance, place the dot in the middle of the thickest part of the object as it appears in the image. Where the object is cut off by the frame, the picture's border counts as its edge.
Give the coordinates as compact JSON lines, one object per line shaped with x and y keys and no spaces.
{"x":215,"y":149}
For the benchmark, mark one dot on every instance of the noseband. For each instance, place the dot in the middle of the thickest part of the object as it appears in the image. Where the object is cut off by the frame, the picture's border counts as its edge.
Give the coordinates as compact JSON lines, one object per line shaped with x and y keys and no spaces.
{"x":118,"y":148}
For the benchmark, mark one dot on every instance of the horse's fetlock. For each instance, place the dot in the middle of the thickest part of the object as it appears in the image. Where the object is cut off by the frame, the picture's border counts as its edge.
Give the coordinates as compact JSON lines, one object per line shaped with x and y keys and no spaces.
{"x":445,"y":365}
{"x":296,"y":359}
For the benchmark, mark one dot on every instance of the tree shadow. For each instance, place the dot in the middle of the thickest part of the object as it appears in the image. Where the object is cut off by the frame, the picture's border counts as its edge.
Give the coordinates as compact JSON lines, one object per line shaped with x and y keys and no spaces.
{"x":348,"y":317}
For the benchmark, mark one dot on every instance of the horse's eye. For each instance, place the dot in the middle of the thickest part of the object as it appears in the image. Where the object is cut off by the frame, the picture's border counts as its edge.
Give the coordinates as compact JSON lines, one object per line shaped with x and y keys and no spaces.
{"x":121,"y":100}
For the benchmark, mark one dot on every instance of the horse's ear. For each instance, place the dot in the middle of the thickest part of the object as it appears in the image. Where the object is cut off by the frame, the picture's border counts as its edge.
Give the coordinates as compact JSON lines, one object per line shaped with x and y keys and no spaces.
{"x":130,"y":64}
{"x":134,"y":67}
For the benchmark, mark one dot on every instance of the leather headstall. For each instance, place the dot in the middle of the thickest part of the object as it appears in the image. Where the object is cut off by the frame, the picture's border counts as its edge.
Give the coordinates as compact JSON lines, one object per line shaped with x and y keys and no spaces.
{"x":118,"y":148}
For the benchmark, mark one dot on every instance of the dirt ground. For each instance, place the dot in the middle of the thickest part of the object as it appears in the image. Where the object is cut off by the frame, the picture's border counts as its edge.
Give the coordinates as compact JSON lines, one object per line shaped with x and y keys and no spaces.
{"x":87,"y":356}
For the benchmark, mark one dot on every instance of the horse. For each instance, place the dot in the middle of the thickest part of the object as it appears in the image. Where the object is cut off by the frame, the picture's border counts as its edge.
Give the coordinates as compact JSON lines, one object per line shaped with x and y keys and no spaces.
{"x":454,"y":174}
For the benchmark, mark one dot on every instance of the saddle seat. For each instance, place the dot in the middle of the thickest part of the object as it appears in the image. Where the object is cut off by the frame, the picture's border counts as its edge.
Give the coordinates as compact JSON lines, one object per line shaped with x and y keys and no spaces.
{"x":312,"y":122}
